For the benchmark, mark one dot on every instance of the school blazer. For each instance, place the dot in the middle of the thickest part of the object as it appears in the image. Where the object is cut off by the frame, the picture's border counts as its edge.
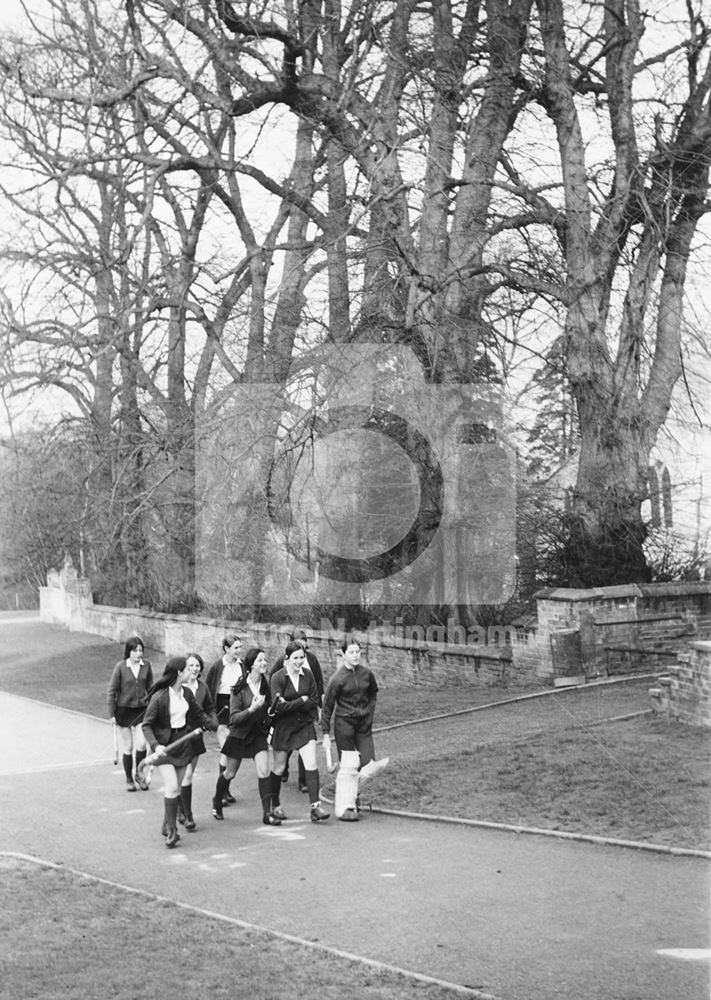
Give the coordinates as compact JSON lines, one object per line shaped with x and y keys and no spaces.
{"x":156,"y":721}
{"x":245,"y":725}
{"x":127,"y":691}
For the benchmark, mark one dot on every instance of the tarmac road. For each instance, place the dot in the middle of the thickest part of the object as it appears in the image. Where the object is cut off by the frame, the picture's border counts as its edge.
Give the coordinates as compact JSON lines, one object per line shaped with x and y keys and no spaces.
{"x":521,"y":917}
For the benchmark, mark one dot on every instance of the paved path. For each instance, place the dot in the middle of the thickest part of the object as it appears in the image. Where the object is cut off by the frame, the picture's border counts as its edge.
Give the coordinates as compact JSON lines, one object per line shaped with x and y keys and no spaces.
{"x":524,"y":918}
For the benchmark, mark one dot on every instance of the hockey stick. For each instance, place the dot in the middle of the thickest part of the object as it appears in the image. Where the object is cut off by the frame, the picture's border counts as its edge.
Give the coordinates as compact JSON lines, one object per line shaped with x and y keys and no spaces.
{"x":158,"y":757}
{"x":115,"y":729}
{"x":329,"y":755}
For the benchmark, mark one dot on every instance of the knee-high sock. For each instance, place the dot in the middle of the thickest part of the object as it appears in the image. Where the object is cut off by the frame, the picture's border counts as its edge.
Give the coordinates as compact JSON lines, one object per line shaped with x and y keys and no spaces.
{"x":128,"y":765}
{"x":227,"y":780}
{"x":221,"y":786}
{"x":170,"y":807}
{"x":265,"y":793}
{"x":276,"y":788}
{"x":186,"y":800}
{"x":312,"y":783}
{"x":140,"y":756}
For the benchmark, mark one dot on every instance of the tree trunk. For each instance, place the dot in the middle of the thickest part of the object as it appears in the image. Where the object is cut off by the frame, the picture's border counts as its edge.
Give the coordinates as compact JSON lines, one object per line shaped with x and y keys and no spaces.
{"x":648,"y":217}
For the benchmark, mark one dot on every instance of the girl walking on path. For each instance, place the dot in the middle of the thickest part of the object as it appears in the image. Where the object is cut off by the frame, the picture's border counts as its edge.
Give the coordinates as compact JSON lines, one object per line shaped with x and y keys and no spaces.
{"x":350,"y":700}
{"x":131,"y":679}
{"x":295,"y":704}
{"x":249,"y":728}
{"x":221,"y":678}
{"x":314,"y":665}
{"x":173,"y":712}
{"x":204,"y":700}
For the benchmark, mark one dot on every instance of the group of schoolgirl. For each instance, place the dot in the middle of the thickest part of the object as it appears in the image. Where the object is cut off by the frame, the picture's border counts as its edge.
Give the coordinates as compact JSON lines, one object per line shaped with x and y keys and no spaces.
{"x":261,"y":714}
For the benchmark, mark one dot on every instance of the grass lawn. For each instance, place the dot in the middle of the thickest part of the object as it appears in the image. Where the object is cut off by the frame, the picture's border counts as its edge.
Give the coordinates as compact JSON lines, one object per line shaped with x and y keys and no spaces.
{"x":642,"y":779}
{"x":401,"y":704}
{"x":66,"y":937}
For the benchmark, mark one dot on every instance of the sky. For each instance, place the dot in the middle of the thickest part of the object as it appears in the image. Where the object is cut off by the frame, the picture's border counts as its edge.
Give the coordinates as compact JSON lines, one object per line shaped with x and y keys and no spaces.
{"x":11,"y":11}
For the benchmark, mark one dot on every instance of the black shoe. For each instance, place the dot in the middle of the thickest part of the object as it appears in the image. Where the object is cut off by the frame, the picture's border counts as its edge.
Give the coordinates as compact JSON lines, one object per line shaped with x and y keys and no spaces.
{"x":228,"y":799}
{"x":318,"y":814}
{"x":172,"y":839}
{"x":269,"y":819}
{"x":217,"y":809}
{"x":303,"y":787}
{"x":350,"y":816}
{"x":181,"y":817}
{"x":190,"y":824}
{"x":130,"y":786}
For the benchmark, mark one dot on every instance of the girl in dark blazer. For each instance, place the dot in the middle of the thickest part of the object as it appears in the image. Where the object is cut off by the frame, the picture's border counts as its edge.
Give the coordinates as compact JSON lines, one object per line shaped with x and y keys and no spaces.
{"x":204,"y":699}
{"x":314,"y":665}
{"x":250,"y":723}
{"x":221,"y":678}
{"x":295,"y":704}
{"x":173,"y":712}
{"x":131,"y":679}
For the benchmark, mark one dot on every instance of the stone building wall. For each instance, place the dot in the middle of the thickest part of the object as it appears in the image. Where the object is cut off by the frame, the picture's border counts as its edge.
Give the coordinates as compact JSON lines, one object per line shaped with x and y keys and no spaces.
{"x":579,"y":635}
{"x":627,"y":629}
{"x":396,"y":659}
{"x":683,"y":693}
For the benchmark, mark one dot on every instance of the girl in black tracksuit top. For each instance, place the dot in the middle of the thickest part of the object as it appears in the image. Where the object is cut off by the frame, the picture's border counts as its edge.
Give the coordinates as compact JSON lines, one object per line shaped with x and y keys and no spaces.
{"x":350,"y":700}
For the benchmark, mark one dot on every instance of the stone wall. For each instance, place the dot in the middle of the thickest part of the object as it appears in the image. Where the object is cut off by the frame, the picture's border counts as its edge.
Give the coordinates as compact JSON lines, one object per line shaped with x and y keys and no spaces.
{"x":684,"y":691}
{"x":579,"y":635}
{"x":628,"y":629}
{"x":397,"y":661}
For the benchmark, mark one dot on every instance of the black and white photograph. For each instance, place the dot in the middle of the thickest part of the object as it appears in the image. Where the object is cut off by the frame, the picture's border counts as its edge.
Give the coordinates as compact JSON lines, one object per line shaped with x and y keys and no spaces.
{"x":355,"y":499}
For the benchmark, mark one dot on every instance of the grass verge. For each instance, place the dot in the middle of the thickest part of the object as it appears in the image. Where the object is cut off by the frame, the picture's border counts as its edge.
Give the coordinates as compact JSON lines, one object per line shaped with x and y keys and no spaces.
{"x":643,"y":779}
{"x":66,"y":937}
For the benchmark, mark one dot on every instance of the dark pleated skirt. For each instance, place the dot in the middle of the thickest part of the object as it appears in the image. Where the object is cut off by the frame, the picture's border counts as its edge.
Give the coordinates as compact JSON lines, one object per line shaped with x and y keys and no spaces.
{"x":239,"y":749}
{"x":182,"y":756}
{"x":126,"y":717}
{"x":285,"y":738}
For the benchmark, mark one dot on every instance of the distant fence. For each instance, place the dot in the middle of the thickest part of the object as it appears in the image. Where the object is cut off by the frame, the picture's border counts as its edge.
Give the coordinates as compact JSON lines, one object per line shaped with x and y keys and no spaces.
{"x":18,"y":597}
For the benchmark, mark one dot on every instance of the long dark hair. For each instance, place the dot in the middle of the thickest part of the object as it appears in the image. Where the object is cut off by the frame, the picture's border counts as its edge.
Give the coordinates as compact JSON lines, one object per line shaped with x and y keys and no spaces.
{"x":247,"y":663}
{"x":133,"y":642}
{"x":171,"y":670}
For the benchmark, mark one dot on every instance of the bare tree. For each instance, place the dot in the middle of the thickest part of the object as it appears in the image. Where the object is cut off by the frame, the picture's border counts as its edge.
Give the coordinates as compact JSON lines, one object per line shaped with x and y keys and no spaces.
{"x":617,"y":210}
{"x":629,"y":231}
{"x":458,"y":173}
